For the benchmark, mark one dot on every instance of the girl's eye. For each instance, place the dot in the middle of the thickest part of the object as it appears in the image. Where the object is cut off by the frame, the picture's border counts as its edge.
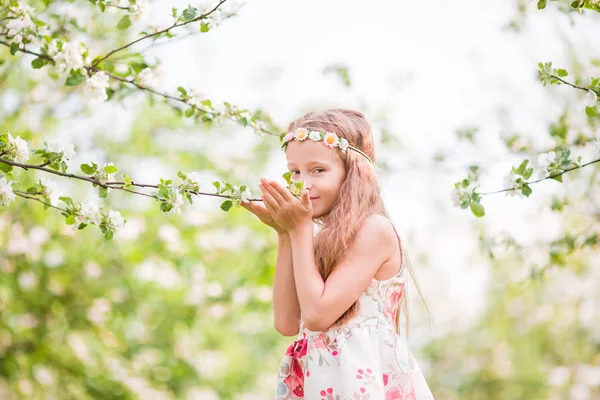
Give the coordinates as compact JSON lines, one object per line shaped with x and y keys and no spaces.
{"x":319,"y":169}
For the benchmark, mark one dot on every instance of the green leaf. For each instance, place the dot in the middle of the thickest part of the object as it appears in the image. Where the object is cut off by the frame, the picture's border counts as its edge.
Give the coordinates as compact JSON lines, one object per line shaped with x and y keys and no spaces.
{"x":67,"y":200}
{"x":189,"y":112}
{"x":124,"y":23}
{"x":477,"y":210}
{"x":174,"y":12}
{"x":111,"y":169}
{"x":40,"y":62}
{"x":181,"y":175}
{"x":86,"y":169}
{"x":75,"y":79}
{"x":14,"y":47}
{"x":204,"y":27}
{"x":32,"y":189}
{"x":182,"y":91}
{"x":526,"y":190}
{"x":557,"y":178}
{"x":5,"y":168}
{"x":102,"y":192}
{"x":127,"y":180}
{"x":227,"y":204}
{"x":541,"y":4}
{"x":591,"y":111}
{"x":70,"y":219}
{"x":562,"y":72}
{"x":217,"y":184}
{"x":189,"y":13}
{"x":288,"y":177}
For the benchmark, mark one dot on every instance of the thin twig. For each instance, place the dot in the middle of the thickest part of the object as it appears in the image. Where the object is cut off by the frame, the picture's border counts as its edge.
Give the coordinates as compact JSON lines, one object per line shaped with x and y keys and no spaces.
{"x":158,"y":33}
{"x":26,"y":196}
{"x":111,"y":185}
{"x":543,"y":179}
{"x":569,"y":83}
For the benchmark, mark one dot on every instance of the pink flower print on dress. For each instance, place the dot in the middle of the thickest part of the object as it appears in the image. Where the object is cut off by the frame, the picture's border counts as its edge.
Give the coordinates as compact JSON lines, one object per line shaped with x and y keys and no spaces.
{"x":392,"y":304}
{"x":329,"y":395}
{"x":295,"y":380}
{"x":399,"y":393}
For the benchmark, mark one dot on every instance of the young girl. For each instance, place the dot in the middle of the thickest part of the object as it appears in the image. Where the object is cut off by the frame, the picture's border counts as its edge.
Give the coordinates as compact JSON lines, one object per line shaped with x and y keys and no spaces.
{"x":338,"y":291}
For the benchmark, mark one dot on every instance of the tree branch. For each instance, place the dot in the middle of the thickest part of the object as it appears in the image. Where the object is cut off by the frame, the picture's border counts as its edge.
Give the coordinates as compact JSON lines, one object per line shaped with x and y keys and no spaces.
{"x":132,"y":82}
{"x":27,"y":196}
{"x":111,"y":185}
{"x":569,"y":83}
{"x":158,"y":33}
{"x":543,"y":179}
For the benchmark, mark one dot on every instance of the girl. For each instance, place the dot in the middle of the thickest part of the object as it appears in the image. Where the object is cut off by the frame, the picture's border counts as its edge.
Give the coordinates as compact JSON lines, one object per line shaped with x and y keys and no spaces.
{"x":338,"y":291}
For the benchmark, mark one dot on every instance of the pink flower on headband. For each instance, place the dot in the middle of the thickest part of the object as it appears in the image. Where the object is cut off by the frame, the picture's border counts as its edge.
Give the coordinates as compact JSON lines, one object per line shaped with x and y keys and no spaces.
{"x":289,"y":136}
{"x":331,"y":140}
{"x":301,"y":134}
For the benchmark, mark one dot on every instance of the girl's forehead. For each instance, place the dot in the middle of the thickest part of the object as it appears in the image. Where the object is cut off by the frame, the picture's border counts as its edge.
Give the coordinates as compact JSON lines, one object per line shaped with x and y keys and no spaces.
{"x":310,"y":151}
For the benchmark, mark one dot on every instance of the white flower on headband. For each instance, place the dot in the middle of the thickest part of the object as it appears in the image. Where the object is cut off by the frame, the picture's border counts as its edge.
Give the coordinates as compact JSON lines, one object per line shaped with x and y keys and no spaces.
{"x":301,"y":134}
{"x":343,"y":144}
{"x":316,"y":136}
{"x":331,"y":140}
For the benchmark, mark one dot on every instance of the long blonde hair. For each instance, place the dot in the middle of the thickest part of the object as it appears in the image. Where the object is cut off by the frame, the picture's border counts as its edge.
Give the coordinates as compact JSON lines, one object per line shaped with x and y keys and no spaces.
{"x":359,"y":197}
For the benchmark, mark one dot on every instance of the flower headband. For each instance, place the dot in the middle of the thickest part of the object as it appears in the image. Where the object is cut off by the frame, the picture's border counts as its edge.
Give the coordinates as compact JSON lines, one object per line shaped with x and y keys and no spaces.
{"x":329,"y":139}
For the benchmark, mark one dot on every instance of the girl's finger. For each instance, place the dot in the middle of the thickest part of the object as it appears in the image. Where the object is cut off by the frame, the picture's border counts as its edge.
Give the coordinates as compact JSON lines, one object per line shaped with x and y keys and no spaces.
{"x":270,"y":202}
{"x":273,"y":192}
{"x":283,"y":192}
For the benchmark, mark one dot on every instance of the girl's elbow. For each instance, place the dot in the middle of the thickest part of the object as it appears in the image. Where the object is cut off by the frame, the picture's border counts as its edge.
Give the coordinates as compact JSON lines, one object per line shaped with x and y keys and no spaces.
{"x":315,"y":322}
{"x":287,"y":329}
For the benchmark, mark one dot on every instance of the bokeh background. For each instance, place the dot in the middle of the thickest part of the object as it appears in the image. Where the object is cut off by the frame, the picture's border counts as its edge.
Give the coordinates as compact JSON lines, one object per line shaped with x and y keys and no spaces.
{"x":178,"y":306}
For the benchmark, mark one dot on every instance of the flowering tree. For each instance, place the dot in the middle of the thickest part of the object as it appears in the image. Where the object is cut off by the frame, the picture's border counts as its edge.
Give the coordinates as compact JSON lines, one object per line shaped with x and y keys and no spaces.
{"x":161,"y":312}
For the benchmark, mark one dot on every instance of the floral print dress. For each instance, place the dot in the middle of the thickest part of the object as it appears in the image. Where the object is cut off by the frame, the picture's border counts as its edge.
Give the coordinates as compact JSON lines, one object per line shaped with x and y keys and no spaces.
{"x":365,"y":359}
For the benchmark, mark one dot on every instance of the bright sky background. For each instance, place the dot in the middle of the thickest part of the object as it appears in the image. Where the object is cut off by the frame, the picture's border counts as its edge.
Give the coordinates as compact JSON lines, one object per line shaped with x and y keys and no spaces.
{"x":433,"y":67}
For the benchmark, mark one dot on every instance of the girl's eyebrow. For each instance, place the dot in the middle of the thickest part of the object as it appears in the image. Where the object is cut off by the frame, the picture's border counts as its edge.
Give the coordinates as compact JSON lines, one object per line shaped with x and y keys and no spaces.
{"x":310,"y":163}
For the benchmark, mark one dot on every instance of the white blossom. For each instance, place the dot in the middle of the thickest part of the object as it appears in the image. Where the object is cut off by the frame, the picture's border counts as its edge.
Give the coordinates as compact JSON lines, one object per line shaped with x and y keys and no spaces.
{"x":96,"y":86}
{"x":240,"y":296}
{"x":6,"y":192}
{"x":140,"y":10}
{"x":544,"y":161}
{"x":116,"y":221}
{"x":89,"y":213}
{"x":193,"y":179}
{"x":18,"y":24}
{"x":591,"y":99}
{"x":20,"y":10}
{"x":195,"y":99}
{"x":71,"y":56}
{"x":214,"y":289}
{"x":17,"y":39}
{"x":98,"y":312}
{"x":511,"y":181}
{"x":146,"y":78}
{"x":44,"y":375}
{"x":246,"y":195}
{"x":51,"y":190}
{"x":18,"y":148}
{"x":176,"y":202}
{"x":66,"y":151}
{"x":27,"y":281}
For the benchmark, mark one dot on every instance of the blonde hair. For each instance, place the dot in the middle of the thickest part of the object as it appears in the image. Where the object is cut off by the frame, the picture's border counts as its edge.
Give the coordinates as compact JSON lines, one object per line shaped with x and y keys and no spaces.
{"x":359,"y":197}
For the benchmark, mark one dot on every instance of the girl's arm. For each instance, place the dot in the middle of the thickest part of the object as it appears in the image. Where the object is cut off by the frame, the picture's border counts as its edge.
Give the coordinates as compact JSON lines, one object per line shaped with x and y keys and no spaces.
{"x":286,"y":308}
{"x":322,"y":303}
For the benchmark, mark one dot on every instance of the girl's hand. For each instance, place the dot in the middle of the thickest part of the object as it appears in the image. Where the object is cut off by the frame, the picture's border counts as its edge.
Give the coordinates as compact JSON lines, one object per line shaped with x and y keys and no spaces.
{"x":286,"y":210}
{"x":263,"y":214}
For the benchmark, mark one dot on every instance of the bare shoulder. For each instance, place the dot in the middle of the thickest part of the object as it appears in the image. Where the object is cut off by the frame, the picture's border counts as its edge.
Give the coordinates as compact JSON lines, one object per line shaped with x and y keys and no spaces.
{"x":377,"y":230}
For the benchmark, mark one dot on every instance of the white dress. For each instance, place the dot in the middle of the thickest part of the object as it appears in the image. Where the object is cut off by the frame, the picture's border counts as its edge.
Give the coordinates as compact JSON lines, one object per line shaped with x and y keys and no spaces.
{"x":363,"y":359}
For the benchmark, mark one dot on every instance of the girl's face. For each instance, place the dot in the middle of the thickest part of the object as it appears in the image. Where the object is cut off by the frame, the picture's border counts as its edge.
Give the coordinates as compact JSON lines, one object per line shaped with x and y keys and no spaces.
{"x":321,"y":169}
